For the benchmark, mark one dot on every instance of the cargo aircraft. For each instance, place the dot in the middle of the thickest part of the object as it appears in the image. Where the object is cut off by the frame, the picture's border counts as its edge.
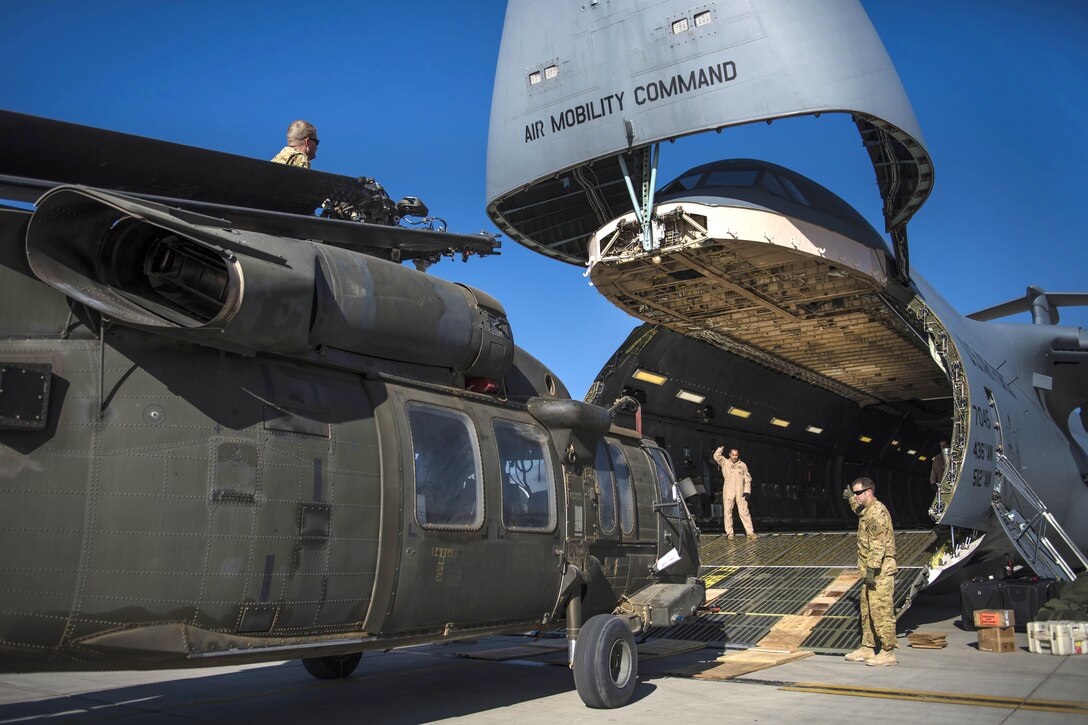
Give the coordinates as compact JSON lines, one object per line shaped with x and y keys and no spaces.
{"x":233,"y":431}
{"x":775,"y":315}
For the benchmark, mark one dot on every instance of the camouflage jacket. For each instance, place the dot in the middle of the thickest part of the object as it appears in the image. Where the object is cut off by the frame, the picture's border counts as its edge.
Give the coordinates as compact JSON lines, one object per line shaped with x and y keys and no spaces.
{"x":291,"y":157}
{"x":876,"y":539}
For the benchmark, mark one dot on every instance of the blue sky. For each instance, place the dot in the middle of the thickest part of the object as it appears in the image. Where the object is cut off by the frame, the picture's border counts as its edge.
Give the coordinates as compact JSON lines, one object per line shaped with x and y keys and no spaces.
{"x":401,"y":92}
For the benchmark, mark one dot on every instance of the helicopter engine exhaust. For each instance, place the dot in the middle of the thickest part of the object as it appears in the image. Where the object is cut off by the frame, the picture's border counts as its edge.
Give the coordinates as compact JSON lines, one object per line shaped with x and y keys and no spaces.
{"x":182,"y":274}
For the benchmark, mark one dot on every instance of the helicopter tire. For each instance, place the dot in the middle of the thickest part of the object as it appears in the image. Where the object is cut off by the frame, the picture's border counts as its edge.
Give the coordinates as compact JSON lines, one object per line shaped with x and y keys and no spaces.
{"x":605,"y":662}
{"x":332,"y":667}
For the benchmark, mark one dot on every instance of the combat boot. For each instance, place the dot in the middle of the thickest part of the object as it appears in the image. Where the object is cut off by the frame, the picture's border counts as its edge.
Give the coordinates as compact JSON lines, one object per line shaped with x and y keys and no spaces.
{"x":885,"y":659}
{"x":861,"y":654}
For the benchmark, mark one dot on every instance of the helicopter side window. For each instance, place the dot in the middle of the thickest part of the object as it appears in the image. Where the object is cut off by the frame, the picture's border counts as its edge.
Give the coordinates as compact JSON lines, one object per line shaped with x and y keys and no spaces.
{"x":528,"y":484}
{"x":665,"y":479}
{"x":446,"y":459}
{"x":606,"y":489}
{"x":626,"y":493}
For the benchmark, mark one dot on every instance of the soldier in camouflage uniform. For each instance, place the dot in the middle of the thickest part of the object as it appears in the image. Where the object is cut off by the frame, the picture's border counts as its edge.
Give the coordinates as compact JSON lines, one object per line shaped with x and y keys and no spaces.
{"x":301,"y":146}
{"x":876,"y":563}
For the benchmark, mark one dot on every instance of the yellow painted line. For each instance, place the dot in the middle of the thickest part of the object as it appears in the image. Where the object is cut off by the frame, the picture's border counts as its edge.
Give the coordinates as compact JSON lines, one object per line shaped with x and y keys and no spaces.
{"x":943,"y":698}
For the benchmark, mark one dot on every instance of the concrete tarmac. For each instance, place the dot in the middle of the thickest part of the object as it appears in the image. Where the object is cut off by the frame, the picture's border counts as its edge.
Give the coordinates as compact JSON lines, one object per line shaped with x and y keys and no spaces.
{"x":435,"y":684}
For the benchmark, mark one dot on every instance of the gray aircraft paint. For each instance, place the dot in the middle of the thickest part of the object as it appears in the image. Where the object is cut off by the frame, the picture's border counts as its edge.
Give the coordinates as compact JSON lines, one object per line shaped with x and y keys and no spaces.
{"x":623,"y":79}
{"x":580,"y":84}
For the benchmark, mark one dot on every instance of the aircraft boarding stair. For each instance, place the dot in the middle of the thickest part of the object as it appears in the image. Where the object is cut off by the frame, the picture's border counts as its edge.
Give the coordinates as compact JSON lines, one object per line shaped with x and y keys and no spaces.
{"x":1036,"y":534}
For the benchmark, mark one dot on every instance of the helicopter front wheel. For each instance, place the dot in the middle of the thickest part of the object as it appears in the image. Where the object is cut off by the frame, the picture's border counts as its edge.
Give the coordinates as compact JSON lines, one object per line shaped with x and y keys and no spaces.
{"x":605,"y":662}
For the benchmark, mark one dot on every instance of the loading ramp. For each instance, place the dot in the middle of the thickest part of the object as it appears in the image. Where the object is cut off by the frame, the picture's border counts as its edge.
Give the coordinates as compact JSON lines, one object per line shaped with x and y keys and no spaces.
{"x":791,"y":591}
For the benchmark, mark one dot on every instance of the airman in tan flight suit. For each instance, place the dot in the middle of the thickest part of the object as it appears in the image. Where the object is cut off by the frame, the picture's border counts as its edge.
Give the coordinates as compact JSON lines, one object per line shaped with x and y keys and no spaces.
{"x":737,"y":488}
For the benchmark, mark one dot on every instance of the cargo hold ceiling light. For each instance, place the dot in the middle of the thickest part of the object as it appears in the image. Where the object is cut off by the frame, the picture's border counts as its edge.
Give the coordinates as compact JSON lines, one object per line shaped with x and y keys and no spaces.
{"x":703,"y":18}
{"x":680,"y":26}
{"x":911,"y":452}
{"x":814,"y":429}
{"x":739,"y":412}
{"x":690,"y":396}
{"x":551,"y":72}
{"x":865,"y":439}
{"x":647,"y":377}
{"x":535,"y":78}
{"x":780,"y":423}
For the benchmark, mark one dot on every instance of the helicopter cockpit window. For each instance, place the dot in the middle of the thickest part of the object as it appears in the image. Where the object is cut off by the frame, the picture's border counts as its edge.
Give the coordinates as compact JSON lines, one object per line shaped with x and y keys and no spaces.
{"x":665,"y":479}
{"x":606,"y":489}
{"x":528,"y":485}
{"x":626,"y":493}
{"x":446,"y":457}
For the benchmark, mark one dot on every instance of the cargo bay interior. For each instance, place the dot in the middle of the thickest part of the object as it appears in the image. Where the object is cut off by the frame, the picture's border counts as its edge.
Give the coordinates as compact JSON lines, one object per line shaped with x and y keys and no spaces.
{"x":803,"y":445}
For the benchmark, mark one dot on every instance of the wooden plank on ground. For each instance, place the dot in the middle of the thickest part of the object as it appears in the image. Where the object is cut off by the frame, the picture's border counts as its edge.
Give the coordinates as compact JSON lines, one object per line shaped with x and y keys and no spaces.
{"x":736,"y":664}
{"x":792,"y":630}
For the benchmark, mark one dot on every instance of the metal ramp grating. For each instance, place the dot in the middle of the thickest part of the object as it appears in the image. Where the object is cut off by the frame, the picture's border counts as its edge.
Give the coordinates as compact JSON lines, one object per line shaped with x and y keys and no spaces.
{"x":807,"y":549}
{"x":758,"y":590}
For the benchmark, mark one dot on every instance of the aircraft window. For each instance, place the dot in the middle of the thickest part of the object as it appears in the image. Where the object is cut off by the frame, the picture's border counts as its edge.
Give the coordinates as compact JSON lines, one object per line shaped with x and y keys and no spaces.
{"x":626,"y":496}
{"x":794,"y":192}
{"x":773,"y":185}
{"x":528,"y":486}
{"x":665,"y":479}
{"x":446,"y":457}
{"x":606,"y":483}
{"x":731,"y":177}
{"x":684,"y":183}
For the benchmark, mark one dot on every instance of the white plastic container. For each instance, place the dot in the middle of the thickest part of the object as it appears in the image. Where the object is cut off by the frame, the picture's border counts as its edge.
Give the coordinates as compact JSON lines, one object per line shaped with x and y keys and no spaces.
{"x":1069,"y":638}
{"x":1080,"y":638}
{"x":1039,"y":637}
{"x":1060,"y":637}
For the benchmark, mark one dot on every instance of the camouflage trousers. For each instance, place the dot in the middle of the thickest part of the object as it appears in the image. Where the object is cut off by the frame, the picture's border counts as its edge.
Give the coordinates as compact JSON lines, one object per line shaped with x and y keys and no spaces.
{"x":877,"y":614}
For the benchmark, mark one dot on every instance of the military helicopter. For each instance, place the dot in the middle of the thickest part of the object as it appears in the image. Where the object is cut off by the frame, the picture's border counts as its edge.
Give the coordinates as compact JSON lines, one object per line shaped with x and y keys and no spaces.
{"x":234,"y":431}
{"x":774,"y":314}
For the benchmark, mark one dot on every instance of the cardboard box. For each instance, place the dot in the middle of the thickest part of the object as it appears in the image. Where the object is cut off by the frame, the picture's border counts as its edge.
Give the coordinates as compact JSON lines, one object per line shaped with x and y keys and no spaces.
{"x":994,"y":618}
{"x":997,"y":639}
